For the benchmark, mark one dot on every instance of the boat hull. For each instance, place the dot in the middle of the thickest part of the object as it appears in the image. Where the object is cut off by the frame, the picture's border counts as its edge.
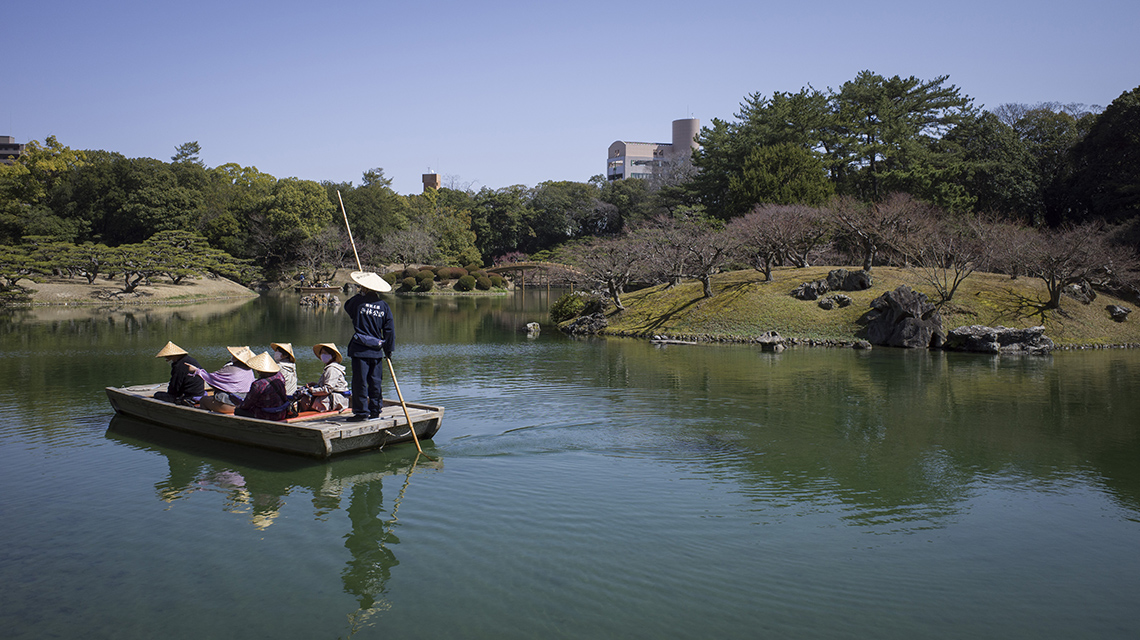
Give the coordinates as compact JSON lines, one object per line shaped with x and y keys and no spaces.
{"x":318,"y":437}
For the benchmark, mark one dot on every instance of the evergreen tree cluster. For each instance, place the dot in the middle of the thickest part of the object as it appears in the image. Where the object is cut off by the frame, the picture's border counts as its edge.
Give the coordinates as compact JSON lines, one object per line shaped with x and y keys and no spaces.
{"x":854,"y":148}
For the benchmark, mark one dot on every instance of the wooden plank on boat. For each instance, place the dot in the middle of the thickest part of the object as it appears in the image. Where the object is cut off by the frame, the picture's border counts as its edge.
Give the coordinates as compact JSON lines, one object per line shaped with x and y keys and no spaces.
{"x":314,"y":415}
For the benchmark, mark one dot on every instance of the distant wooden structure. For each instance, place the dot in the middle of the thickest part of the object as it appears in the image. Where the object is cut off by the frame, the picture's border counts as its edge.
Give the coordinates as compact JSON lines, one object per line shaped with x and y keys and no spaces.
{"x":547,"y":273}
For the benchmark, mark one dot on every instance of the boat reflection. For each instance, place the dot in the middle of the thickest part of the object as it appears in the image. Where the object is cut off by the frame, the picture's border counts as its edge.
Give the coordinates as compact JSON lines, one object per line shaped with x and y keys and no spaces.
{"x":259,"y":483}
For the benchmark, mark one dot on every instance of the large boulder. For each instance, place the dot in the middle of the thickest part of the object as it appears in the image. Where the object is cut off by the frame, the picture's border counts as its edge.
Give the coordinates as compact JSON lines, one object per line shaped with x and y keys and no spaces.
{"x":810,"y":290}
{"x":831,"y":302}
{"x":981,"y":339}
{"x":1080,"y":291}
{"x":904,"y":318}
{"x":844,"y":280}
{"x":1118,"y":313}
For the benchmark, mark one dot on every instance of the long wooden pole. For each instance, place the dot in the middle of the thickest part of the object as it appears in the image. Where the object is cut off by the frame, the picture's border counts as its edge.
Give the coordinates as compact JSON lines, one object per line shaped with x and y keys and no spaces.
{"x":349,"y":229}
{"x":411,"y":426}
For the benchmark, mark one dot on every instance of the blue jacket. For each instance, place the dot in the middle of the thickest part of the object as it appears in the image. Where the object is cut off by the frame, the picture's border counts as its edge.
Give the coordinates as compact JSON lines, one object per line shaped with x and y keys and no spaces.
{"x":373,"y":328}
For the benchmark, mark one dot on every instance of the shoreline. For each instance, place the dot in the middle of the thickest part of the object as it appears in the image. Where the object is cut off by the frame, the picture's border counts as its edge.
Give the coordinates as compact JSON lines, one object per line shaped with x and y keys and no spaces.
{"x":65,"y":292}
{"x":824,"y":343}
{"x":162,"y":302}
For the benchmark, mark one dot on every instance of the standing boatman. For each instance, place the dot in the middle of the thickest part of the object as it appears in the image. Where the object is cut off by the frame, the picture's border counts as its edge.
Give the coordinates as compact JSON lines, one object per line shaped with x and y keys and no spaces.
{"x":372,"y":340}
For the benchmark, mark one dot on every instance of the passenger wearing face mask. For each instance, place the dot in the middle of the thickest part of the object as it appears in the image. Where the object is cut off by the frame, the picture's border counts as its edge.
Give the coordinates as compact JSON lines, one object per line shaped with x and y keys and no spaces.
{"x":283,"y":356}
{"x":330,"y":392}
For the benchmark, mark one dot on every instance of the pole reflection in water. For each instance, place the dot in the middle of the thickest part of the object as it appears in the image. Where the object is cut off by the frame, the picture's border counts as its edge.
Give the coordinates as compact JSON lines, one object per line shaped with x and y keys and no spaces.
{"x":257,"y":483}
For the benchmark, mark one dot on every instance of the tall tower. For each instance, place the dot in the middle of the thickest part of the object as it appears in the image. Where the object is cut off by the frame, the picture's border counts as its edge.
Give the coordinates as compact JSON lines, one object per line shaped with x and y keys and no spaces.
{"x":685,"y":135}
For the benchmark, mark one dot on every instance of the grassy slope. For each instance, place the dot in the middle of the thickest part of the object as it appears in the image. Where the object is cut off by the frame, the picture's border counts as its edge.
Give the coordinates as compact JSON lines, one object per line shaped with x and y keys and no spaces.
{"x":744,"y":306}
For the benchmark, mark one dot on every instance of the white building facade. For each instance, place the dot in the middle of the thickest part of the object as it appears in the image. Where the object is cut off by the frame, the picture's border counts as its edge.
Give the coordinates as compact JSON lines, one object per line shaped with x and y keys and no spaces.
{"x":627,"y":159}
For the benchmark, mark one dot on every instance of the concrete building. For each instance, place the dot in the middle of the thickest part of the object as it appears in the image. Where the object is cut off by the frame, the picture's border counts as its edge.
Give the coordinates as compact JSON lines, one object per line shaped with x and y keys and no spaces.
{"x":628,"y":159}
{"x":9,"y":150}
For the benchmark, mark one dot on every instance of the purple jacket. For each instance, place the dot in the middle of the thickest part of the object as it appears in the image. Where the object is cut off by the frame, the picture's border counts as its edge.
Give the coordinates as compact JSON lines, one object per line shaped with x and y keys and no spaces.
{"x":231,"y":378}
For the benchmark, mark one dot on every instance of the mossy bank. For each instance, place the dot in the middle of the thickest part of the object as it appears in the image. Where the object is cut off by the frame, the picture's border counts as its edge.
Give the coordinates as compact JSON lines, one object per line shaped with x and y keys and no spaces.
{"x":744,"y":306}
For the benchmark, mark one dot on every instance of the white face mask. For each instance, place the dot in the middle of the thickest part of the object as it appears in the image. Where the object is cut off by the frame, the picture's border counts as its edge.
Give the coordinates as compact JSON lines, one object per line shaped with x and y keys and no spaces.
{"x":277,"y":356}
{"x":326,"y":358}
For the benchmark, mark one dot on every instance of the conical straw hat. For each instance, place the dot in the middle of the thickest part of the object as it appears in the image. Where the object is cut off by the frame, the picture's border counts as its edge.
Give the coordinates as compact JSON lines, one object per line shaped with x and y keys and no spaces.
{"x":263,"y":362}
{"x":287,"y":347}
{"x":242,"y":354}
{"x":370,"y":280}
{"x":170,"y":349}
{"x":331,"y":347}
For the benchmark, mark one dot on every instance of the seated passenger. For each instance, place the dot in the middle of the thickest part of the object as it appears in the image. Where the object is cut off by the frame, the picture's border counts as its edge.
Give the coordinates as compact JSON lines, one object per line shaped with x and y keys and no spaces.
{"x":283,"y":356}
{"x":183,"y":388}
{"x":266,"y":399}
{"x":330,"y":392}
{"x":230,"y":383}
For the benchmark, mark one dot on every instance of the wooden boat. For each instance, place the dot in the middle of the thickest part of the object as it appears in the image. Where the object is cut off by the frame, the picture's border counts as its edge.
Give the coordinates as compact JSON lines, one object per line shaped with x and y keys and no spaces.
{"x":318,"y":435}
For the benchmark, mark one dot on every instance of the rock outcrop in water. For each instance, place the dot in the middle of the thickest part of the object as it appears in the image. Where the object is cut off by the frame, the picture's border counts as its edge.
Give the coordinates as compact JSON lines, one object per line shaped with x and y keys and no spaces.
{"x":980,"y":339}
{"x":586,"y":325}
{"x":771,"y":341}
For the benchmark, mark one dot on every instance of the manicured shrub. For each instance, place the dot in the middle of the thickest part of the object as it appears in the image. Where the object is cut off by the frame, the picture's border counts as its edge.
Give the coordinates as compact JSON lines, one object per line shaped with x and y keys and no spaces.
{"x":466,"y":283}
{"x":427,"y":284}
{"x":497,"y":281}
{"x":408,"y":284}
{"x":473,"y":267}
{"x":572,"y":305}
{"x":483,"y":283}
{"x":425,"y":273}
{"x":391,"y":278}
{"x":411,"y":272}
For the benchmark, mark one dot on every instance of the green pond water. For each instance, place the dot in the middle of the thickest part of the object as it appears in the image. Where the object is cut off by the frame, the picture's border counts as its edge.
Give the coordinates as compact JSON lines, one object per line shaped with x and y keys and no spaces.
{"x":579,"y":488}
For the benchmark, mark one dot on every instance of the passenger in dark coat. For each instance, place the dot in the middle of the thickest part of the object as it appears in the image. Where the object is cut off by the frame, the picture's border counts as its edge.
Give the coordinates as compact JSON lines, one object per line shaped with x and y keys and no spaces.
{"x":372,"y":340}
{"x":183,"y":387}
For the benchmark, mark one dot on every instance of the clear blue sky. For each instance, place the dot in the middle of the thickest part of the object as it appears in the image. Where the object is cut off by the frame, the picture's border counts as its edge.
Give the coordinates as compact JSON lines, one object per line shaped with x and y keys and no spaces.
{"x":500,"y":93}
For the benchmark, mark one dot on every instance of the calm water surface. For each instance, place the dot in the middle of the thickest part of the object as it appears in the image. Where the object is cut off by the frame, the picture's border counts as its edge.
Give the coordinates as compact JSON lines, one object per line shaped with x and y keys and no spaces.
{"x":578,"y":489}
